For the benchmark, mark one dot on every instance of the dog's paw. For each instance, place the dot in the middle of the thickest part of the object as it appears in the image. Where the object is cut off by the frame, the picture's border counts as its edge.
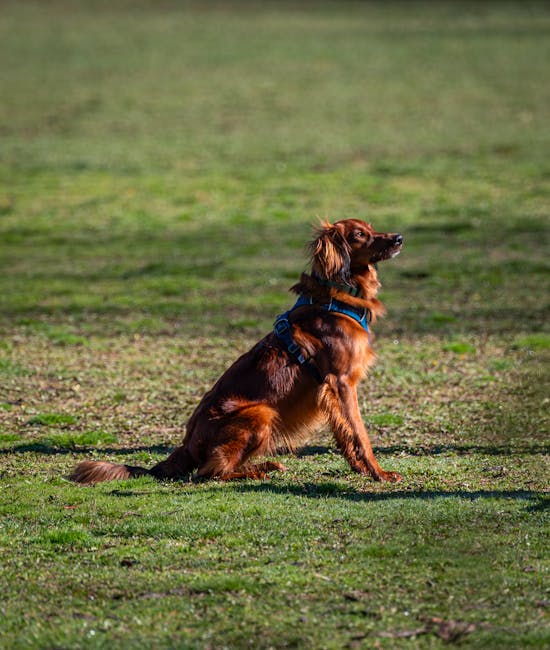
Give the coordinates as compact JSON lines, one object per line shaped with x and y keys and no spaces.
{"x":391,"y":477}
{"x":270,"y":466}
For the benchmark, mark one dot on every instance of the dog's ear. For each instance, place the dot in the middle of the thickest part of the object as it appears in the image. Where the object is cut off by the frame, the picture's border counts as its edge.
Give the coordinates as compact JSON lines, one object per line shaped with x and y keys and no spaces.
{"x":330,"y":253}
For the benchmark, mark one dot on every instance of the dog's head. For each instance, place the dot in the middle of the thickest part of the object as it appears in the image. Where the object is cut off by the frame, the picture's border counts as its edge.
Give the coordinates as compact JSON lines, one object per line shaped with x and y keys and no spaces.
{"x":350,"y":246}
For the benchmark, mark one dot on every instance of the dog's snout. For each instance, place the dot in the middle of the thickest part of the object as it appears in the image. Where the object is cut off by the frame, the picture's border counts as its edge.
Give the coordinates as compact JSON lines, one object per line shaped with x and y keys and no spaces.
{"x":398,"y":239}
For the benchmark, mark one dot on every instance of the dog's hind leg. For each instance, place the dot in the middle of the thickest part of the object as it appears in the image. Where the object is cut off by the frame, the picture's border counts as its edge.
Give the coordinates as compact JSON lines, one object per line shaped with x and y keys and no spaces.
{"x":243,"y":434}
{"x":255,"y":471}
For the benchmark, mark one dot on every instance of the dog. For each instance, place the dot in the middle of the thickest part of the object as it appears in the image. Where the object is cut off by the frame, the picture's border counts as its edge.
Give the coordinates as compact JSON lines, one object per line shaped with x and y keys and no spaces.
{"x":302,"y":375}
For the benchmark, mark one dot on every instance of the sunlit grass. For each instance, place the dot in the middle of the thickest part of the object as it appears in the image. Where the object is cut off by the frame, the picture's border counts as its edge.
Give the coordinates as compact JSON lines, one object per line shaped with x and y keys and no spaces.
{"x":160,"y":169}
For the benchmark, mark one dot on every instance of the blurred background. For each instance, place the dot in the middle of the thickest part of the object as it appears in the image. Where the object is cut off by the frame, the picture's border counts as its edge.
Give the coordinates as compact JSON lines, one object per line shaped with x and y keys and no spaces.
{"x":161,"y":163}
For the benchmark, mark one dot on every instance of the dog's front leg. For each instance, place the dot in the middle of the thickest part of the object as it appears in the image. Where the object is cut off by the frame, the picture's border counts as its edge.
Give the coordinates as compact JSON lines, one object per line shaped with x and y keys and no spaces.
{"x":338,"y":400}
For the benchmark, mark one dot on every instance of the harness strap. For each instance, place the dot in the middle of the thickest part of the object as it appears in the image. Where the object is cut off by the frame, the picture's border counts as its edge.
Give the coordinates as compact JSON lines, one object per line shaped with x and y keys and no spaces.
{"x":283,"y":332}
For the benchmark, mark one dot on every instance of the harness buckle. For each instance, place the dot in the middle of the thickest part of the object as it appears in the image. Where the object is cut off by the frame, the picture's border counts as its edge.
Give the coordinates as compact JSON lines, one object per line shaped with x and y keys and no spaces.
{"x":281,"y":326}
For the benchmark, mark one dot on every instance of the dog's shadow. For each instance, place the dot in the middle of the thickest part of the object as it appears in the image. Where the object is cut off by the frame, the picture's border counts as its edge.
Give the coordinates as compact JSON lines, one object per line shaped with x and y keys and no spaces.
{"x":321,"y":490}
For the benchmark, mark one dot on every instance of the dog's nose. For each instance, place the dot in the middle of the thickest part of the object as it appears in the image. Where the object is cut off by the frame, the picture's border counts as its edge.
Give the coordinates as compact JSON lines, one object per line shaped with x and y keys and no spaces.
{"x":398,"y":239}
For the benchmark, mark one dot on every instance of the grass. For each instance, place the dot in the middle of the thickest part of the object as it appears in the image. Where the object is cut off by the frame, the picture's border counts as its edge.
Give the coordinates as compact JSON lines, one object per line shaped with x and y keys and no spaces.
{"x":160,"y":166}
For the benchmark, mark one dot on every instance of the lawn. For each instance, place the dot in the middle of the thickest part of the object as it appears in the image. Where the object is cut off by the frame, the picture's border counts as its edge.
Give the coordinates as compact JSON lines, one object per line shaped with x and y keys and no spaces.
{"x":161,"y":166}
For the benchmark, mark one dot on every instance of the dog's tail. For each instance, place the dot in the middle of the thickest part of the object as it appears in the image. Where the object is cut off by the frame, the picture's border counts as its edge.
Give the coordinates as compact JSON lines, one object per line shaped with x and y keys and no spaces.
{"x":177,"y":465}
{"x":90,"y":472}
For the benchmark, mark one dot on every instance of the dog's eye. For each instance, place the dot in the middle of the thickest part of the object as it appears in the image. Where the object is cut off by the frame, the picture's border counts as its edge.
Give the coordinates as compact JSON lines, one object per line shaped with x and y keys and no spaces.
{"x":359,"y":234}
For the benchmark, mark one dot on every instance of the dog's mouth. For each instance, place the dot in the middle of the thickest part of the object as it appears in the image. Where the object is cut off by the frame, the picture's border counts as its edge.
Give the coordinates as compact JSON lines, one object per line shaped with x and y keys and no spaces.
{"x":394,"y":252}
{"x":389,"y":253}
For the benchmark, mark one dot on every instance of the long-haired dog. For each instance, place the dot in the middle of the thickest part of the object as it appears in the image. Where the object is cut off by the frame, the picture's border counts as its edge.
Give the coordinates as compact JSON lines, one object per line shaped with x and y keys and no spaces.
{"x":300,"y":376}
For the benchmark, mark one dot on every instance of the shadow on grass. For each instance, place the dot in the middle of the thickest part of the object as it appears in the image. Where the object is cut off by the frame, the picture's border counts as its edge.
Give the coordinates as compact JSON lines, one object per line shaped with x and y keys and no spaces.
{"x":489,"y":450}
{"x":50,"y":450}
{"x":323,"y":490}
{"x":436,"y":450}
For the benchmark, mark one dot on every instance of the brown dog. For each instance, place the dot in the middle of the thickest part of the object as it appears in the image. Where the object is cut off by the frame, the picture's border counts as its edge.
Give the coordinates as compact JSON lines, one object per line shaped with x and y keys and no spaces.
{"x":300,"y":376}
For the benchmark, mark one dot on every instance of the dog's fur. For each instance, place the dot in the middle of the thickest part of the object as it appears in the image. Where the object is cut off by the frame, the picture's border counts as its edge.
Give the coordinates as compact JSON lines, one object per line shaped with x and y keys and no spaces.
{"x":267,"y":401}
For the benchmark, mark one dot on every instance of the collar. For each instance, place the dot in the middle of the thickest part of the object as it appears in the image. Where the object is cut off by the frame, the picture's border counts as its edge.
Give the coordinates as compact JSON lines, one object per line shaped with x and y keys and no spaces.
{"x":346,"y":288}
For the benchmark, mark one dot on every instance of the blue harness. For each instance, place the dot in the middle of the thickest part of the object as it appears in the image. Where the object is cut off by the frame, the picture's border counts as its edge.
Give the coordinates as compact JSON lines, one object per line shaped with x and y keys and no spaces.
{"x":283,"y":332}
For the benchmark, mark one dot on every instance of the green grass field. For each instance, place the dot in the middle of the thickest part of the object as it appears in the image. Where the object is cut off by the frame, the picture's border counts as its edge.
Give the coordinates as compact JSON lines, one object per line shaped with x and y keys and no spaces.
{"x":161,"y":164}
